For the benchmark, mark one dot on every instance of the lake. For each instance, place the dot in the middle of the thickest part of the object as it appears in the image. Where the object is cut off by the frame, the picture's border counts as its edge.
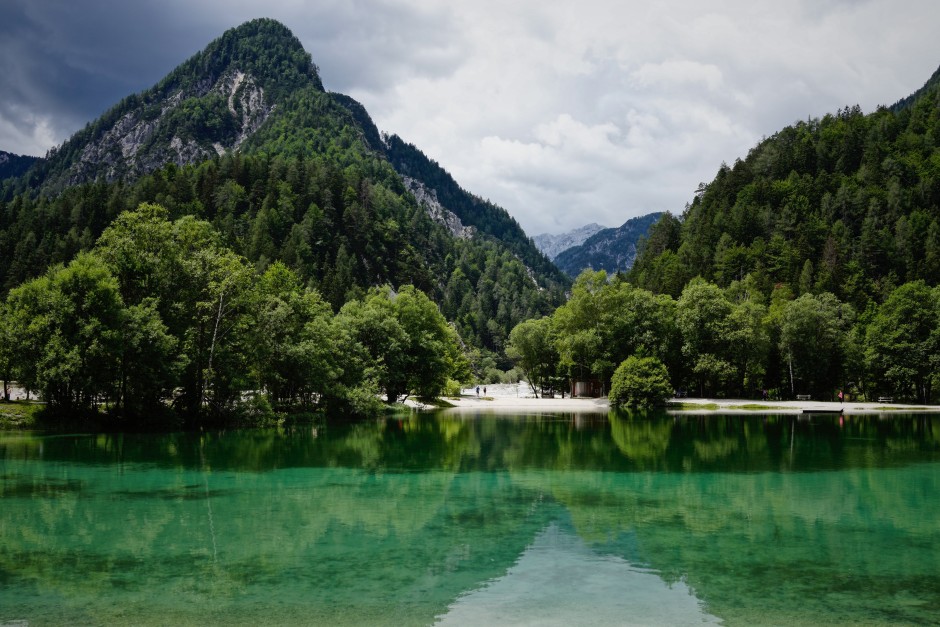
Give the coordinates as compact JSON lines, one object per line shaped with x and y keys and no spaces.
{"x":466,"y":520}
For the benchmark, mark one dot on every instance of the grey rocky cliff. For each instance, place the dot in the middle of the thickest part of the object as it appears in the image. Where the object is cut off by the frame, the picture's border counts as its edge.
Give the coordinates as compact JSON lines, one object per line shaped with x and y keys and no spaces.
{"x":137,"y":143}
{"x":427,"y":198}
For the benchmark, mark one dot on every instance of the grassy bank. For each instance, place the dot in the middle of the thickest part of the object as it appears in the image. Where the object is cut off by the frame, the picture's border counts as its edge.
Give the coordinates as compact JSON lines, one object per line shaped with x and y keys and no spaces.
{"x":19,"y":415}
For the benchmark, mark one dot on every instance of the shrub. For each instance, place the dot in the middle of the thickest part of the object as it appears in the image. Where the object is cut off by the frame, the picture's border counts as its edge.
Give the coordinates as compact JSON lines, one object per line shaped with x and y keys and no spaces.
{"x":640,"y":382}
{"x":452,"y":388}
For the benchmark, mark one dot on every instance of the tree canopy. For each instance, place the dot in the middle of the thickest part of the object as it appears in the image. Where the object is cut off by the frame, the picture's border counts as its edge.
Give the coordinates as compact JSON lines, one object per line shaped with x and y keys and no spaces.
{"x":160,"y":313}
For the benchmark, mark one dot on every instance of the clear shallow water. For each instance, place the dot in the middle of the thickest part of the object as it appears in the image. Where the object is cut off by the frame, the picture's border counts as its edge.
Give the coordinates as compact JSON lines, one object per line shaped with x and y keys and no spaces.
{"x":479,"y":520}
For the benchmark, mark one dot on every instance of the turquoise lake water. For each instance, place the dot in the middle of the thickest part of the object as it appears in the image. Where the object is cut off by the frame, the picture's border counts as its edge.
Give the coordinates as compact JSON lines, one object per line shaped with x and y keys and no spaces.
{"x":469,"y":520}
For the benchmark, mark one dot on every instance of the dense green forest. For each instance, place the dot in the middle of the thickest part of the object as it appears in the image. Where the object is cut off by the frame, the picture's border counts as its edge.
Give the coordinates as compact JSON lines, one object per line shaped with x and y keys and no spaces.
{"x":847,"y":204}
{"x":161,"y":313}
{"x":341,"y":230}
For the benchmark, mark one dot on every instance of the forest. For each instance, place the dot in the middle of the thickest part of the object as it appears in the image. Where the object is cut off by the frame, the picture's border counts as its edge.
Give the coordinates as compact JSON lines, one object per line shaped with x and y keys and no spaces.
{"x":162,"y":323}
{"x":734,"y":342}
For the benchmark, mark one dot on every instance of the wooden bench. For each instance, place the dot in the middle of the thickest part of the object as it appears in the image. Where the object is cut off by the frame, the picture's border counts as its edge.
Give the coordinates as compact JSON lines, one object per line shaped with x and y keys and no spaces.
{"x":803,"y":397}
{"x":885,"y":399}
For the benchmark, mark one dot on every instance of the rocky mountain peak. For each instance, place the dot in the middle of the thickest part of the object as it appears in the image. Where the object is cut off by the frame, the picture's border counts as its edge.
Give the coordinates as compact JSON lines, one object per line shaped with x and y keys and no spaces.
{"x":554,"y":245}
{"x":210,"y":104}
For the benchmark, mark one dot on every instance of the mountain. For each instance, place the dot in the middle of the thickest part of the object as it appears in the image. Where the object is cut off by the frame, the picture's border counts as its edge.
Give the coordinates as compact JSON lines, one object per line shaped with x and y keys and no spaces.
{"x":12,"y":165}
{"x":552,"y":245}
{"x":930,"y":86}
{"x":208,"y":105}
{"x":847,"y":204}
{"x":612,"y":250}
{"x":244,"y":136}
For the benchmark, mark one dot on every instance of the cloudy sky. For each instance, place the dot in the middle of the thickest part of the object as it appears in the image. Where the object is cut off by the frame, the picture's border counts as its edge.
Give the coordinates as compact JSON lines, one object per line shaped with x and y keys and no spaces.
{"x":563,"y":112}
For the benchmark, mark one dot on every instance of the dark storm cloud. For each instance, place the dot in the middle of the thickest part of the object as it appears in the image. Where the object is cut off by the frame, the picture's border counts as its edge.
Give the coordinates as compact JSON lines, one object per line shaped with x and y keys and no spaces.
{"x":66,"y":62}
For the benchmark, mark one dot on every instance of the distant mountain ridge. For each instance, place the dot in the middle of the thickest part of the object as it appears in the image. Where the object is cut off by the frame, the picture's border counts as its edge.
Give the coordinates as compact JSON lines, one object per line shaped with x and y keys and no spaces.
{"x":613,"y":250}
{"x":553,"y":245}
{"x":12,"y":165}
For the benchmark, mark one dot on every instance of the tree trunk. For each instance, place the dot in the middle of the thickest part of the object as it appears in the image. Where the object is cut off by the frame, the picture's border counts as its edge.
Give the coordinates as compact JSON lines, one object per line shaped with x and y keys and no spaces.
{"x":215,"y":335}
{"x":792,"y":388}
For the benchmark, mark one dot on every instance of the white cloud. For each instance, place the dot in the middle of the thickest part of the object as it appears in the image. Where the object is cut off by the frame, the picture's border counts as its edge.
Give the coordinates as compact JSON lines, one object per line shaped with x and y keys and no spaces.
{"x":678,"y":74}
{"x":26,"y":132}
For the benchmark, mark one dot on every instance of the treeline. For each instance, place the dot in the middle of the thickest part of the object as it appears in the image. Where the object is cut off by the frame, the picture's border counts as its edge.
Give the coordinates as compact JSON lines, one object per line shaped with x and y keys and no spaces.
{"x":848,"y":204}
{"x":162,"y":314}
{"x":736,"y":342}
{"x":340,"y":228}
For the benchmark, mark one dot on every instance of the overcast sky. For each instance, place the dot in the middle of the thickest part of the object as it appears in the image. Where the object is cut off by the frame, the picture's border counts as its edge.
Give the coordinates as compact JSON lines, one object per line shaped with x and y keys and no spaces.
{"x":562,"y":112}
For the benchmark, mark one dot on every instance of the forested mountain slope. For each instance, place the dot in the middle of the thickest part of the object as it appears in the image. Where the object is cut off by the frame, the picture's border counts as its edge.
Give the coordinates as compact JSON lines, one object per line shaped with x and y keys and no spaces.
{"x":847,"y":204}
{"x":486,"y":217}
{"x":244,"y":136}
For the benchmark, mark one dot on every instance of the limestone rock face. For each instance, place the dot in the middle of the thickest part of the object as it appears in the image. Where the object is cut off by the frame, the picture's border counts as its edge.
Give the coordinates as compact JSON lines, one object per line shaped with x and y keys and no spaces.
{"x":151,"y":135}
{"x":427,"y":198}
{"x":554,"y":245}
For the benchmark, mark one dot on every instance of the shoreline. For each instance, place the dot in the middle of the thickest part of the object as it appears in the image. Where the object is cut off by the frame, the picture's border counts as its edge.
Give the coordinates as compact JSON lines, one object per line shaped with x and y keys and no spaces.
{"x":502,"y":403}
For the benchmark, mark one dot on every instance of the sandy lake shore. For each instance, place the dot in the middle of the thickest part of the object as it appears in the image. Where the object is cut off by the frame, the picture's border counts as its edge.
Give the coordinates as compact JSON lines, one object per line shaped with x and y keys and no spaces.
{"x":518,"y":398}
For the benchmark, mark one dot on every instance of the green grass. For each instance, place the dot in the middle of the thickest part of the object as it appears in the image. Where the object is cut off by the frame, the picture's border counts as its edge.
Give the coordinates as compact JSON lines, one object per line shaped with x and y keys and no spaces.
{"x":685,"y":406}
{"x":19,"y":415}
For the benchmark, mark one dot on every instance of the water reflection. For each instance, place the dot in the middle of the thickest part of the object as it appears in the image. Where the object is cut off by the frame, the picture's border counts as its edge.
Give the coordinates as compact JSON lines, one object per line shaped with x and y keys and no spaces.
{"x":614,"y":442}
{"x":560,"y":580}
{"x":762,"y":518}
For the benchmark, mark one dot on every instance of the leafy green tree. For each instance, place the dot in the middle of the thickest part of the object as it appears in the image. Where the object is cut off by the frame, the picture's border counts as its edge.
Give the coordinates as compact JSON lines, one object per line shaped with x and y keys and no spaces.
{"x":813,"y":332}
{"x":577,"y":324}
{"x":294,"y":350}
{"x":70,"y":321}
{"x":748,"y":344}
{"x":216,"y":342}
{"x":150,"y":361}
{"x":901,"y":342}
{"x":531,"y":347}
{"x":412,"y":348}
{"x":635,"y":321}
{"x":201,"y":291}
{"x":702,"y":316}
{"x":372,"y":324}
{"x":433,"y":347}
{"x":640,"y":382}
